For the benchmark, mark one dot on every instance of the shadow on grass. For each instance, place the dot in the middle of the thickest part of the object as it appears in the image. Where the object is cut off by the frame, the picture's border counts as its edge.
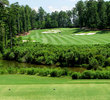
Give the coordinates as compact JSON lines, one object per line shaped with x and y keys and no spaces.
{"x":103,"y":32}
{"x":80,"y":30}
{"x":87,"y":31}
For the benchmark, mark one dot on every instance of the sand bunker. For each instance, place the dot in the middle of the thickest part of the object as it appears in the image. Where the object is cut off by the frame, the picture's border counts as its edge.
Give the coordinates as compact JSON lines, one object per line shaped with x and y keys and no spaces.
{"x":25,"y":40}
{"x":52,"y":31}
{"x":86,"y":34}
{"x":28,"y":40}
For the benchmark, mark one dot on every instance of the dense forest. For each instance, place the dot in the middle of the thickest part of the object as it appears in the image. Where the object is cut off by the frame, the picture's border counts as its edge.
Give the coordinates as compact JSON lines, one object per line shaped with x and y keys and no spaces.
{"x":16,"y":19}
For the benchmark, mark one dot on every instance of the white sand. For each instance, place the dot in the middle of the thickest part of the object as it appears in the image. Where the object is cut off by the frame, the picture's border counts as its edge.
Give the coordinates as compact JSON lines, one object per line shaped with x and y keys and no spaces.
{"x":86,"y":34}
{"x":28,"y":40}
{"x":34,"y":41}
{"x":24,"y":40}
{"x":52,"y":31}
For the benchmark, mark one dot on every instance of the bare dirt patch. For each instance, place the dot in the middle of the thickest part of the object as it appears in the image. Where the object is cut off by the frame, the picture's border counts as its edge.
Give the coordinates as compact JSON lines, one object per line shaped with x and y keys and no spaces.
{"x":24,"y":34}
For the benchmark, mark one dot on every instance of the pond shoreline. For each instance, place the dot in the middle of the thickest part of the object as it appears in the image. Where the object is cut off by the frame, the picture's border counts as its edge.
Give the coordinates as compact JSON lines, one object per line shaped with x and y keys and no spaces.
{"x":9,"y":63}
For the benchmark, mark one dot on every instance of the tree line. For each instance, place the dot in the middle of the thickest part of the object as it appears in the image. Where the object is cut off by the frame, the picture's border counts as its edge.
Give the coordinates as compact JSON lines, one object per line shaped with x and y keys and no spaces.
{"x":16,"y":19}
{"x":94,"y":14}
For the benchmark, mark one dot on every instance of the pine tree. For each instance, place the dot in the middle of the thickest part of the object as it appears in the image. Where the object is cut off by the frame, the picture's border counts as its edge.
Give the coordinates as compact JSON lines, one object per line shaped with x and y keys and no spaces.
{"x":80,"y":9}
{"x":92,"y":14}
{"x":102,"y":14}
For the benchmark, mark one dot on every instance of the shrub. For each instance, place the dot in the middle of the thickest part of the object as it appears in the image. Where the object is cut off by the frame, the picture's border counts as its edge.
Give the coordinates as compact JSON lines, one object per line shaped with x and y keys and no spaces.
{"x":92,"y":75}
{"x":107,"y":62}
{"x":11,"y":70}
{"x":40,"y":59}
{"x":30,"y":71}
{"x":22,"y":71}
{"x":1,"y":55}
{"x":56,"y":72}
{"x":100,"y":59}
{"x":22,"y":60}
{"x":88,"y":75}
{"x":3,"y":71}
{"x":108,"y":68}
{"x":44,"y":72}
{"x":11,"y":56}
{"x":102,"y":75}
{"x":93,"y":63}
{"x":76,"y":75}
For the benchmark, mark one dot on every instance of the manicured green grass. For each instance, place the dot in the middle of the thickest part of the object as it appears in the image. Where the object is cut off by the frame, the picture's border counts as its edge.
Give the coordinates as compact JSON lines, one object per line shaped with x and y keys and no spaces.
{"x":68,"y":37}
{"x":22,"y":87}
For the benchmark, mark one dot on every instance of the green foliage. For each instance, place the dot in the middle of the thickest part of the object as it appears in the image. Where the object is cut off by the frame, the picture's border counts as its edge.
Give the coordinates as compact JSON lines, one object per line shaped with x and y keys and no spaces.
{"x":93,"y":63}
{"x":1,"y":55}
{"x":44,"y":72}
{"x":85,"y":66}
{"x":107,"y":62}
{"x":63,"y":56}
{"x":6,"y":2}
{"x":11,"y":56}
{"x":76,"y":75}
{"x":91,"y":74}
{"x":88,"y":75}
{"x":93,"y":14}
{"x":52,"y":72}
{"x":57,"y":72}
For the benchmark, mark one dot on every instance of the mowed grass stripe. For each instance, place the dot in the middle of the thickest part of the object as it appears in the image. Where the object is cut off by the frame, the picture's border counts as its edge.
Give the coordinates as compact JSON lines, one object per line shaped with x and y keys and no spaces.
{"x":47,"y":38}
{"x":101,"y":38}
{"x":59,"y":40}
{"x":80,"y":39}
{"x":40,"y":36}
{"x":50,"y":39}
{"x":67,"y":37}
{"x":65,"y":40}
{"x":75,"y":40}
{"x":88,"y":40}
{"x":106,"y":39}
{"x":55,"y":39}
{"x":44,"y":39}
{"x":98,"y":39}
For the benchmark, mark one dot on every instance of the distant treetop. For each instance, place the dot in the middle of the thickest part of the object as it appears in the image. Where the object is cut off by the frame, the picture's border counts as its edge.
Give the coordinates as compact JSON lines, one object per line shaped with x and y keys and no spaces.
{"x":4,"y":2}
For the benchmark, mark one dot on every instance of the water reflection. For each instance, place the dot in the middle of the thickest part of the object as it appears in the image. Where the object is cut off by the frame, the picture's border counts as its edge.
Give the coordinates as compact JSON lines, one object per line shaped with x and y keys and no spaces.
{"x":5,"y":64}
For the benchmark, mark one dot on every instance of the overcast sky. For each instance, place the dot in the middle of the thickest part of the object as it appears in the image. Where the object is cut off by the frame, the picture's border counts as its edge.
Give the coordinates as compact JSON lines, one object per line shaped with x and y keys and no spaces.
{"x":48,"y":5}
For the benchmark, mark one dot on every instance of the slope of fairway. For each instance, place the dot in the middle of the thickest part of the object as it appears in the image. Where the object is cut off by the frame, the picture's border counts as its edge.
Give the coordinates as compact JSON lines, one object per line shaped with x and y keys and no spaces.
{"x":22,"y":87}
{"x":67,"y":36}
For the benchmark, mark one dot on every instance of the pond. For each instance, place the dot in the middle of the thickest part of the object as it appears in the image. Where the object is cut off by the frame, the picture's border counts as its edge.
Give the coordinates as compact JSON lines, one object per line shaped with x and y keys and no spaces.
{"x":5,"y":64}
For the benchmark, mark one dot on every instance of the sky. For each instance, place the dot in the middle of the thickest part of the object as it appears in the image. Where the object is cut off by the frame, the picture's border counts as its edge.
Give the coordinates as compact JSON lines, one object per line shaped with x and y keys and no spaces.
{"x":48,"y":5}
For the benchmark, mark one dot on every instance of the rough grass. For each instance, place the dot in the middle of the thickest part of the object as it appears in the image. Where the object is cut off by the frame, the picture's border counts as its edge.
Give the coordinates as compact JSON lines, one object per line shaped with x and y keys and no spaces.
{"x":22,"y":87}
{"x":68,"y":37}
